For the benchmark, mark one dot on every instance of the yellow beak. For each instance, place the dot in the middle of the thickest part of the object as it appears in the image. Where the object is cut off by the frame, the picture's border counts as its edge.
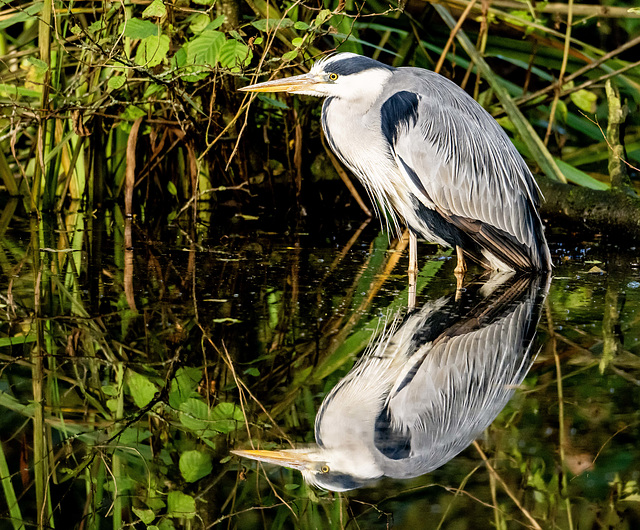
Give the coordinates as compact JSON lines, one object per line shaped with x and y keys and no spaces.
{"x":294,"y":84}
{"x":292,"y":458}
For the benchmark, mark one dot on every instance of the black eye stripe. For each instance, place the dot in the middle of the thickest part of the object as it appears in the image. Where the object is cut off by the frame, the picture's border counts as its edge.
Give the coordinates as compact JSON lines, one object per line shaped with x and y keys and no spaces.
{"x":353,"y":65}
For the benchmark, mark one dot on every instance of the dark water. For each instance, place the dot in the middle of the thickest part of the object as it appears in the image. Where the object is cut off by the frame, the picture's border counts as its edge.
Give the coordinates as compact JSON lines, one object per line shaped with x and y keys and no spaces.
{"x":134,"y":357}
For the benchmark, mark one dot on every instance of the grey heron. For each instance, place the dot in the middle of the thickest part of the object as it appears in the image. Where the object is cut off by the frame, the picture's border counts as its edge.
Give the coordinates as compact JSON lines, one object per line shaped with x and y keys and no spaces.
{"x":428,"y":154}
{"x":425,"y":390}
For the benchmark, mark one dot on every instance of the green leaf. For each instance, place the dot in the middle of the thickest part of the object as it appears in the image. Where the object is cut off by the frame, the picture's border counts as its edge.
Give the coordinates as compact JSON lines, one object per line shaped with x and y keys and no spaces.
{"x":322,"y":17}
{"x":303,"y":26}
{"x":194,"y":465}
{"x":289,"y":56}
{"x":18,"y":339}
{"x":39,"y":64}
{"x":506,"y":123}
{"x":217,"y":22}
{"x":204,"y":2}
{"x":110,"y":390}
{"x":27,"y":14}
{"x":146,"y":516}
{"x":204,"y":49}
{"x":199,"y":23}
{"x":252,"y":371}
{"x":142,"y":390}
{"x":272,"y":23}
{"x":180,"y":505}
{"x":297,"y":42}
{"x":184,"y":385}
{"x":152,"y":50}
{"x":132,"y":113}
{"x":121,"y":484}
{"x":136,"y":28}
{"x":579,"y":177}
{"x":227,"y":410}
{"x":171,"y":188}
{"x":272,"y":101}
{"x":196,"y":416}
{"x":155,"y":9}
{"x":116,"y":82}
{"x":152,"y":89}
{"x":524,"y":17}
{"x":291,"y":486}
{"x":562,"y":110}
{"x":99,"y":25}
{"x":585,"y":100}
{"x":234,"y":54}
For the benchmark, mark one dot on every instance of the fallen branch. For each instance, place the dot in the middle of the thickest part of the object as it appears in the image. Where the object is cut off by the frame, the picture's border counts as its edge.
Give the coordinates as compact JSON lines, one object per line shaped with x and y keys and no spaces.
{"x":611,"y":212}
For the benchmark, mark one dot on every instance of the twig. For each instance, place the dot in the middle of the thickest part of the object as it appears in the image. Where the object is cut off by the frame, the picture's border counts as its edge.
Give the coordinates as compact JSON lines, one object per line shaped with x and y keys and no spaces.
{"x":561,"y":426}
{"x":579,"y":72}
{"x":240,"y":187}
{"x":563,"y":69}
{"x":452,"y":35}
{"x":595,"y":122}
{"x":506,"y":488}
{"x":593,"y":462}
{"x":227,"y":358}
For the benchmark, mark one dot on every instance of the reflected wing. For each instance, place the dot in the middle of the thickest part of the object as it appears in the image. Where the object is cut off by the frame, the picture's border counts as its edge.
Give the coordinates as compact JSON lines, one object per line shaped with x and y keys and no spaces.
{"x":462,"y":166}
{"x":457,"y":384}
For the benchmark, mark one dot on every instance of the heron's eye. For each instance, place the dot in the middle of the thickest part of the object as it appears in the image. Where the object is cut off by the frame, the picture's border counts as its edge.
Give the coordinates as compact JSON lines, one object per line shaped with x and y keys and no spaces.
{"x":333,"y":77}
{"x":325,"y":468}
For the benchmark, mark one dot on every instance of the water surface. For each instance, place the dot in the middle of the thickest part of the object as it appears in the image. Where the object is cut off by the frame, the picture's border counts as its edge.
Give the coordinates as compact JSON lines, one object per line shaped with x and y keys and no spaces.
{"x":134,"y":356}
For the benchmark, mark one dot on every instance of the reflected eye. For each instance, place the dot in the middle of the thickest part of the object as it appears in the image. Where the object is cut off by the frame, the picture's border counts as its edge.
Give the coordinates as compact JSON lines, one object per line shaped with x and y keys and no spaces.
{"x":333,"y":77}
{"x":325,"y":468}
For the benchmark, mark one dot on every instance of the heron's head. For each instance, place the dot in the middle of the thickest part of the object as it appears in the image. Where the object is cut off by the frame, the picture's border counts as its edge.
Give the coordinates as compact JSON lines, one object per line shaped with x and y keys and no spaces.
{"x":329,"y":470}
{"x":343,"y":75}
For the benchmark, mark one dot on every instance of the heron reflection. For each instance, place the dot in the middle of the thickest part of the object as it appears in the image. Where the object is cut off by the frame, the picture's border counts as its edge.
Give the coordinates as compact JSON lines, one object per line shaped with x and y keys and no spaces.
{"x":427,"y":388}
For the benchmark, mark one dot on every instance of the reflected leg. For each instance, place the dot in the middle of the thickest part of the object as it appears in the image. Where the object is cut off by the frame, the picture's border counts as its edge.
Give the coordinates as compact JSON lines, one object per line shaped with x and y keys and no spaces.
{"x":413,"y":268}
{"x":460,"y":269}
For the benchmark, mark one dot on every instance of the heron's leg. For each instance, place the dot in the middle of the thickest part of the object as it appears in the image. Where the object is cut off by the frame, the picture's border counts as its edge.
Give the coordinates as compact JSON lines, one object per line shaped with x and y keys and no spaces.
{"x":413,"y":268}
{"x":460,"y":269}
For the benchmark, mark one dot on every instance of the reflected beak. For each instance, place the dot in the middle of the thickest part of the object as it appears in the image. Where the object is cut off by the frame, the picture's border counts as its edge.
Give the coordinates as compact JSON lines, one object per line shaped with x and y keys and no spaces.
{"x":294,"y":84}
{"x":292,"y":458}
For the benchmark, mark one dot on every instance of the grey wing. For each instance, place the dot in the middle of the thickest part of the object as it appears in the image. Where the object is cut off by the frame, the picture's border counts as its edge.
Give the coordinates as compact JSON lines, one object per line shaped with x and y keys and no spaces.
{"x":461,"y":164}
{"x":461,"y":385}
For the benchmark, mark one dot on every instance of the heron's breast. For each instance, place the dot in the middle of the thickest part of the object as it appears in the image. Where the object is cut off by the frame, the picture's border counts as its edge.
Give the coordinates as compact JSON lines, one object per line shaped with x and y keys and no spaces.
{"x":355,"y":135}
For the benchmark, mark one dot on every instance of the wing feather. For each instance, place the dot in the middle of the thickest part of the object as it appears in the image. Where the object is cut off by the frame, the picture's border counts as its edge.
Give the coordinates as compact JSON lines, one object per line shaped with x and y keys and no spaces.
{"x":458,"y":159}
